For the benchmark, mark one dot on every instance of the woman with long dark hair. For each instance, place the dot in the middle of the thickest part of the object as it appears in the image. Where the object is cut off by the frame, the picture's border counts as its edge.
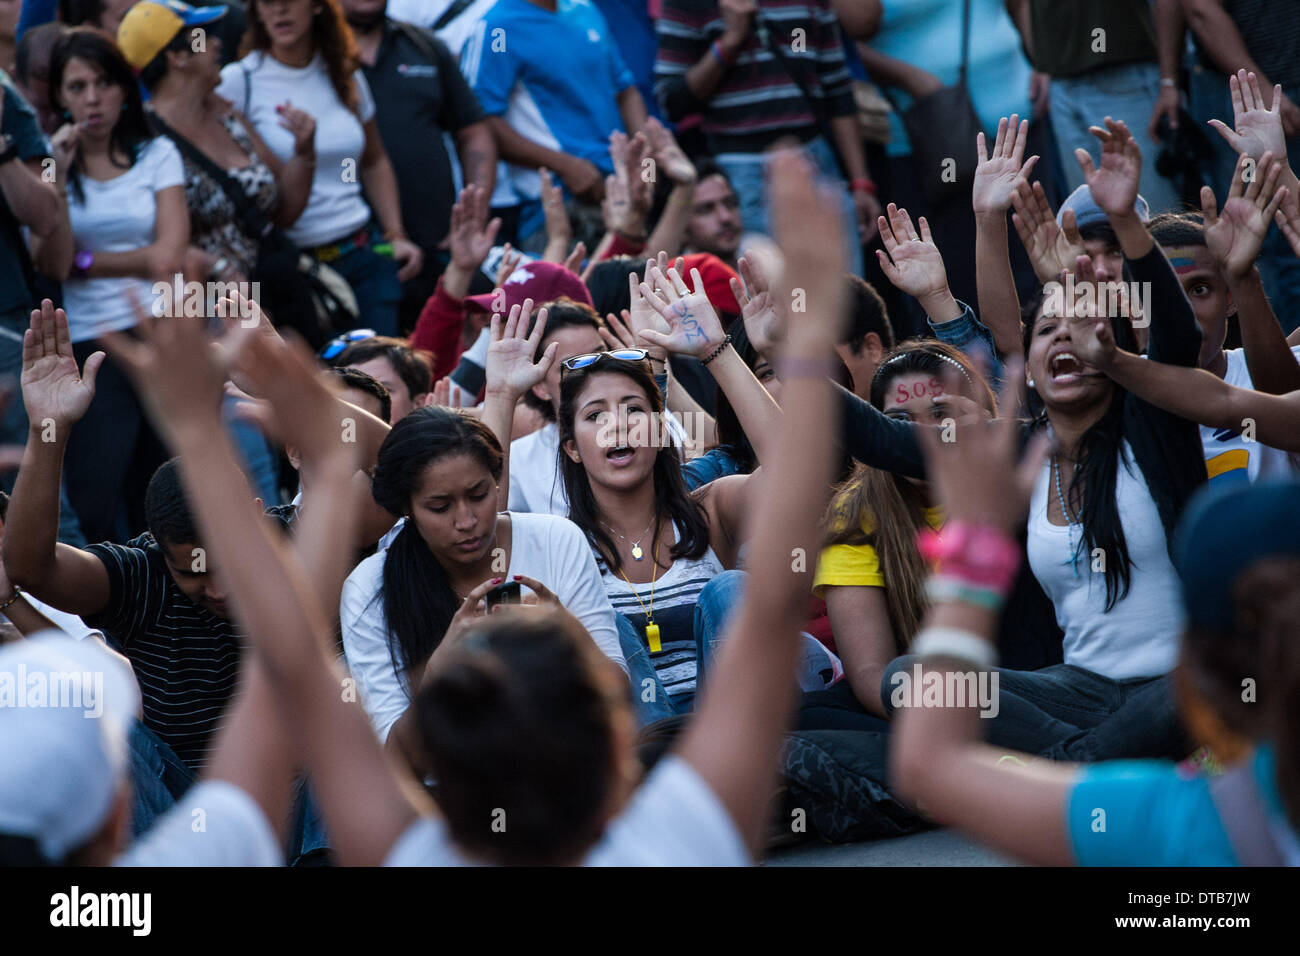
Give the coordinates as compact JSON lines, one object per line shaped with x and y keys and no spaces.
{"x":126,"y":207}
{"x":871,"y":572}
{"x":441,"y":472}
{"x":668,"y":556}
{"x":301,"y":53}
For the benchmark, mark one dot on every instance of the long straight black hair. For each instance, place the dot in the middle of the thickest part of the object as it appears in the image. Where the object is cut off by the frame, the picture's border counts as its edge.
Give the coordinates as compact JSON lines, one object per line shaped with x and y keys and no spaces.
{"x":131,"y":131}
{"x":672,"y":500}
{"x":419,"y":602}
{"x":1096,"y":472}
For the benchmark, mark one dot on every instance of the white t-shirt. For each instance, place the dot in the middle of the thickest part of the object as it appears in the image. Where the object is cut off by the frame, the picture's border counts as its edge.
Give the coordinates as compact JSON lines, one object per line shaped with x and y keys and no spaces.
{"x":535,"y":482}
{"x":1139,"y":636}
{"x":69,"y":624}
{"x":674,"y":819}
{"x":1228,"y":455}
{"x":544,"y":547}
{"x":216,"y":823}
{"x":336,"y":208}
{"x":119,"y":215}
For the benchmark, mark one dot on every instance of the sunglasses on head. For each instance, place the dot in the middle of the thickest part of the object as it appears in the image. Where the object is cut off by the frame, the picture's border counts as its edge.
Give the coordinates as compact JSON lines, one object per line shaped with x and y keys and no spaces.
{"x":590,"y":358}
{"x":335,"y":346}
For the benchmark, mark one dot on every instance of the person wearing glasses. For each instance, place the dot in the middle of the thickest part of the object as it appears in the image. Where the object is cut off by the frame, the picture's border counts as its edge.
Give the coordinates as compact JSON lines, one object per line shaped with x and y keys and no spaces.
{"x":667,"y":556}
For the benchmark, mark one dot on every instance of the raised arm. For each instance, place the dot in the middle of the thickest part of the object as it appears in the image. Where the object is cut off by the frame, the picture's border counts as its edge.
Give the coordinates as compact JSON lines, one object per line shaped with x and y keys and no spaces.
{"x":937,"y":760}
{"x":1235,"y":237}
{"x":56,"y":398}
{"x":1190,"y":393}
{"x":996,"y":179}
{"x":175,"y":371}
{"x":734,"y":741}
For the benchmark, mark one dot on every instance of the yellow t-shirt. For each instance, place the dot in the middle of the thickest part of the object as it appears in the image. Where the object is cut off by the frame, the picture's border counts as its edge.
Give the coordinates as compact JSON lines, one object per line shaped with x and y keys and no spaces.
{"x":856,"y":565}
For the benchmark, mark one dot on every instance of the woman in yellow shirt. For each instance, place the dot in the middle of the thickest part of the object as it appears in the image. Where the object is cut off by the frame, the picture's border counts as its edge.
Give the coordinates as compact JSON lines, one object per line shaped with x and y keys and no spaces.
{"x":870,"y":573}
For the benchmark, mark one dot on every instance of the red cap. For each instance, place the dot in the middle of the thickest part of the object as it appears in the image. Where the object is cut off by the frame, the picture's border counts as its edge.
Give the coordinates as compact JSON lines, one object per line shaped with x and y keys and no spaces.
{"x":540,"y":281}
{"x":717,"y":276}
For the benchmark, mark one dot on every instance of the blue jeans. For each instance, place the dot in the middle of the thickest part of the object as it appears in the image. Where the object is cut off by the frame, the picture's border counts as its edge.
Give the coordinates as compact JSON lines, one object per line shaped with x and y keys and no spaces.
{"x":746,"y":172}
{"x":1127,"y":93}
{"x":260,"y":464}
{"x":308,"y":842}
{"x":158,"y":778}
{"x":14,"y":424}
{"x":1064,"y":712}
{"x":374,"y":281}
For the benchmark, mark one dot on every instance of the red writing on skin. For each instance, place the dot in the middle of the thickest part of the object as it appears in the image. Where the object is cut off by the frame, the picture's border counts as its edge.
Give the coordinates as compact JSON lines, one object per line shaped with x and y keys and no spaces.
{"x":930,"y":389}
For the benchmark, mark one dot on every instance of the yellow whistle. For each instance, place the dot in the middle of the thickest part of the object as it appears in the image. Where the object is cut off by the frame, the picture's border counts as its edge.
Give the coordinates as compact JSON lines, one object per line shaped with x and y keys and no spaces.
{"x":652,"y":635}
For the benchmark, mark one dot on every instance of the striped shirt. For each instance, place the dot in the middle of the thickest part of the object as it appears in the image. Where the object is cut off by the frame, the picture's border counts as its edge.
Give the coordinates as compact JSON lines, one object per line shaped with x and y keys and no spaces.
{"x":185,"y":658}
{"x":675,"y":593}
{"x":757,"y":101}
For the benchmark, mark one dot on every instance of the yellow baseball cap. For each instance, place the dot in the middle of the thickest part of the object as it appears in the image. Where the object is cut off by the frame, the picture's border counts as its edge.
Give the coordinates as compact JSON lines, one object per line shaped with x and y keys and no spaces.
{"x":150,"y":25}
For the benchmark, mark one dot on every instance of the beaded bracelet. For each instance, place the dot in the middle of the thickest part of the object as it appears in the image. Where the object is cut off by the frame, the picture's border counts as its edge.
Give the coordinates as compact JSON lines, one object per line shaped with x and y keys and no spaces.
{"x":718,"y":351}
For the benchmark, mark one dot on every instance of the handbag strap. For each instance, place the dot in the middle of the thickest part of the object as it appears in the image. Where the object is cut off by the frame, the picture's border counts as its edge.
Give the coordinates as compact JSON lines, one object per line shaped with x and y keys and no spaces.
{"x":1244,"y":817}
{"x":252,"y":220}
{"x":451,"y":13}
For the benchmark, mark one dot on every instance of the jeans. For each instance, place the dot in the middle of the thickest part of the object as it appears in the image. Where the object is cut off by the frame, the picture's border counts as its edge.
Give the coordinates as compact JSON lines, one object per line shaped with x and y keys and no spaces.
{"x":817,"y":669}
{"x":308,"y":842}
{"x":1064,"y":712}
{"x":112,"y":454}
{"x":158,"y":777}
{"x":260,"y":464}
{"x":746,"y":172}
{"x":14,"y":424}
{"x":374,"y":281}
{"x":1128,"y":93}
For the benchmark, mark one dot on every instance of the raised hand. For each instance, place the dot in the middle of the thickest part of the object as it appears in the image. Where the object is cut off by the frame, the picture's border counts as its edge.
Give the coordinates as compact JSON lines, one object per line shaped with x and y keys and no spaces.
{"x":808,"y":227}
{"x":510,"y":259}
{"x":178,"y":370}
{"x":996,"y":175}
{"x":1257,"y":128}
{"x":641,"y":314}
{"x":511,"y":370}
{"x":53,"y":391}
{"x":1052,"y":248}
{"x":471,"y":235}
{"x":757,"y":309}
{"x":910,"y":261}
{"x":1114,"y":185}
{"x":693,"y":325}
{"x":299,"y":402}
{"x":978,"y":471}
{"x":668,"y":156}
{"x":1235,"y":235}
{"x":558,"y":228}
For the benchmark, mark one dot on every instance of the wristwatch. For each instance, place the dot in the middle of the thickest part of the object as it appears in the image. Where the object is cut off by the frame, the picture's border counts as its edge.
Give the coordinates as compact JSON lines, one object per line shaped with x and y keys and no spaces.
{"x":82,"y":262}
{"x":8,"y":148}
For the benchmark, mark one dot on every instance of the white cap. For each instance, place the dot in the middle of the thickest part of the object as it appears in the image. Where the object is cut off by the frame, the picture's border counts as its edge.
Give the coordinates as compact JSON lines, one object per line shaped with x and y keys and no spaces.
{"x":66,"y":708}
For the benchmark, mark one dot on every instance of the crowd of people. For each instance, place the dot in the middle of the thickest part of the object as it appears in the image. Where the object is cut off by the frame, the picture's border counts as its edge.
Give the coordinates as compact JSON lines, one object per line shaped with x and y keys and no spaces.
{"x":760,"y":422}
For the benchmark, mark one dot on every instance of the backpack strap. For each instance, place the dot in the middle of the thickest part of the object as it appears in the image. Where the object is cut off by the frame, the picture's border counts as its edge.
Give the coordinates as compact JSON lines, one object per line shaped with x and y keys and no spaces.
{"x":451,"y":13}
{"x":1244,"y":817}
{"x":421,"y":39}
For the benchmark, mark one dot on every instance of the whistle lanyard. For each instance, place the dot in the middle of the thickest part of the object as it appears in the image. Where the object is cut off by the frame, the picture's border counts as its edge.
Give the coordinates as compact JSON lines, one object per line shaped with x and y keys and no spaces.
{"x":651,"y":628}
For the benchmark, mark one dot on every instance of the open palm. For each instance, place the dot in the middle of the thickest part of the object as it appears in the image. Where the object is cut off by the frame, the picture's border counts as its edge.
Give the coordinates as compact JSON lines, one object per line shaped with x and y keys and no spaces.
{"x":693,"y":325}
{"x":914,"y":263}
{"x":997,"y":174}
{"x":52,"y":388}
{"x":1114,"y":185}
{"x":1235,"y":234}
{"x":510,"y":365}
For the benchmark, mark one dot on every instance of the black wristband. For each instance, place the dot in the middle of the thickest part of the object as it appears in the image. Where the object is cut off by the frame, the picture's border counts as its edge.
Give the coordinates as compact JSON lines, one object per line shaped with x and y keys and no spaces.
{"x":718,"y":351}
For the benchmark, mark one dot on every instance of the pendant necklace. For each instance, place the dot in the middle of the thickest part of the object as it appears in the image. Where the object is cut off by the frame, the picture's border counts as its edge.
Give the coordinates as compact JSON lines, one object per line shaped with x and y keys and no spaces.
{"x":637,"y":553}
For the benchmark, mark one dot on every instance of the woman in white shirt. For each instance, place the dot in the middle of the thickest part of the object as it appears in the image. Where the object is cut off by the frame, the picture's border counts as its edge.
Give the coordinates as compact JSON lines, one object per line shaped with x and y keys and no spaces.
{"x":126,"y":205}
{"x":301,"y":53}
{"x":441,"y":471}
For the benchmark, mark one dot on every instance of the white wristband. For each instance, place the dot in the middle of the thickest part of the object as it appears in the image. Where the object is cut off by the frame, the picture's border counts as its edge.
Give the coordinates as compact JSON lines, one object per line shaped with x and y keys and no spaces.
{"x":956,"y":643}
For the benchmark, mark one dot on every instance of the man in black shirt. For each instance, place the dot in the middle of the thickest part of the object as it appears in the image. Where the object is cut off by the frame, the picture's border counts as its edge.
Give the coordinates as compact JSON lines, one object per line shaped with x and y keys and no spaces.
{"x":420,"y":96}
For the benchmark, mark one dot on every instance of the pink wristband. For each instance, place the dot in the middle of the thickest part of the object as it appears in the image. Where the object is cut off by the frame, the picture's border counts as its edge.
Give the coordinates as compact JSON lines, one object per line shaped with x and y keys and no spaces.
{"x":980,"y":555}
